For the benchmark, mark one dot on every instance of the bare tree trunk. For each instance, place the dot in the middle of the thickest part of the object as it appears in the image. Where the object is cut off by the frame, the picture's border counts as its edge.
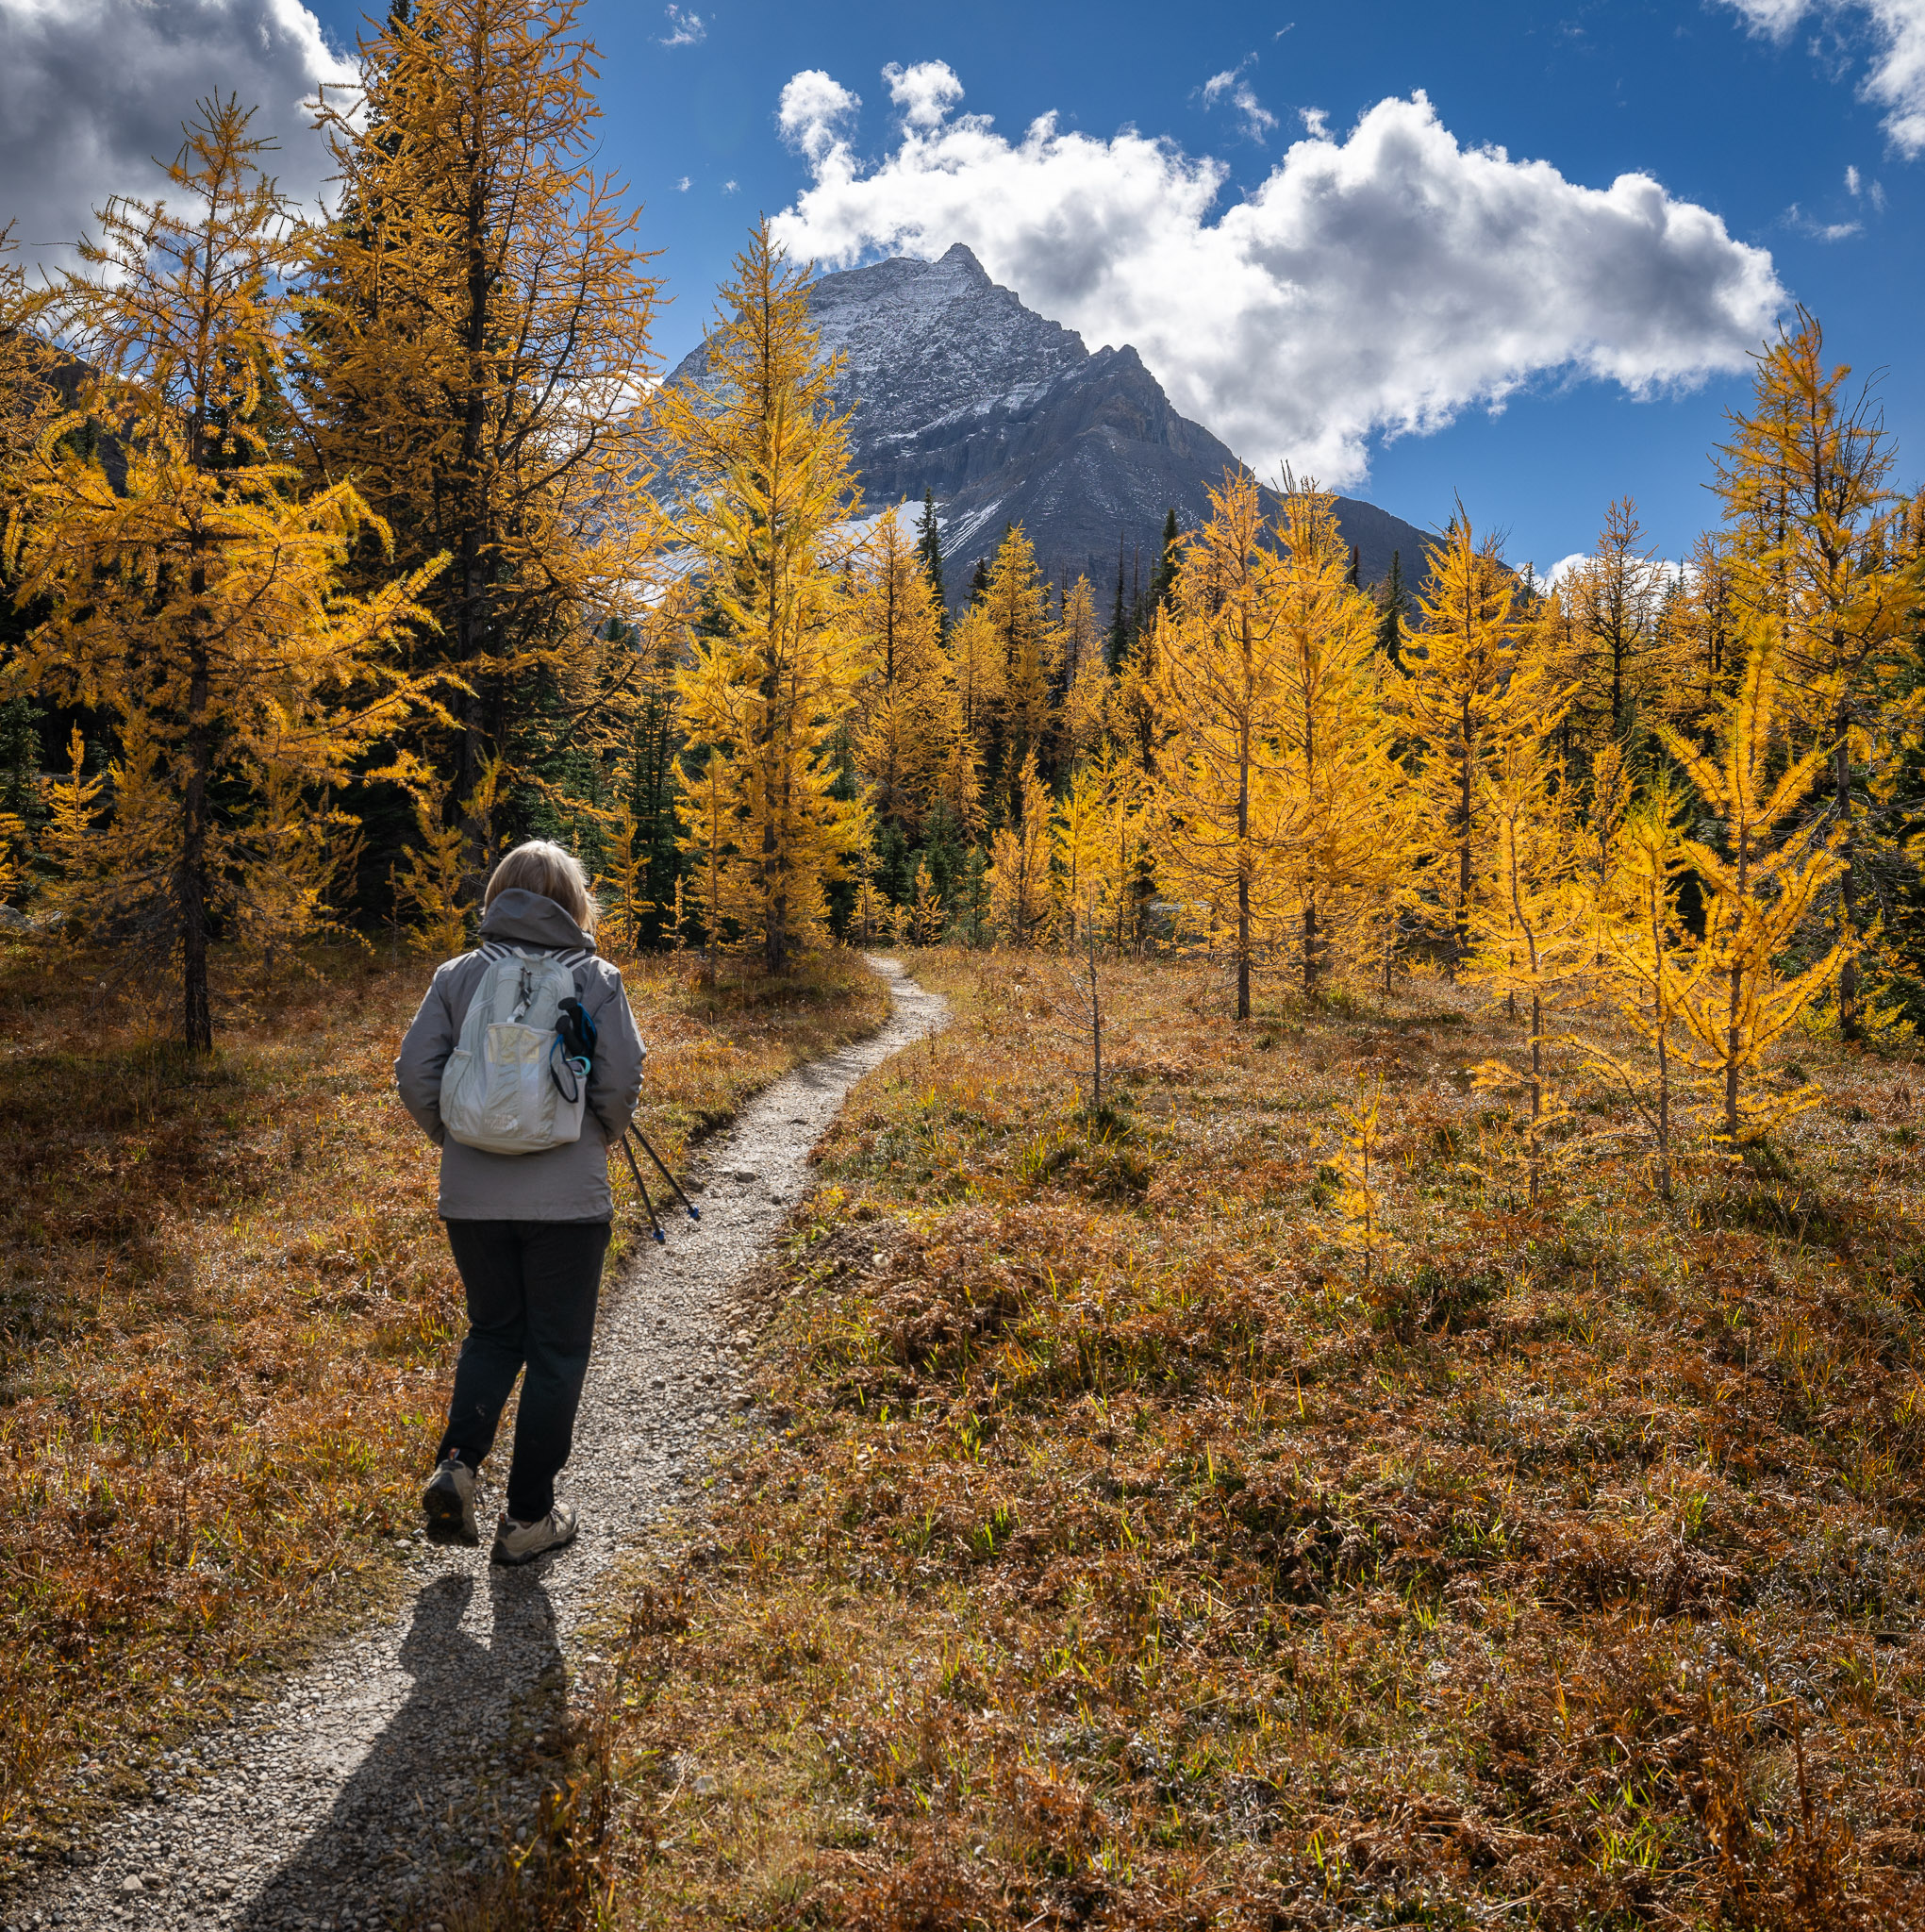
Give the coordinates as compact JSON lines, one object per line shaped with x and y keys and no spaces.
{"x":1850,"y":1021}
{"x":1536,"y":1085}
{"x":197,"y":1019}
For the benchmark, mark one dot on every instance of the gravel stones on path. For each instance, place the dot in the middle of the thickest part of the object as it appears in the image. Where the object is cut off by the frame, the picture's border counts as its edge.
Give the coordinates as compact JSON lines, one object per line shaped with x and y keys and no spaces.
{"x":398,"y":1755}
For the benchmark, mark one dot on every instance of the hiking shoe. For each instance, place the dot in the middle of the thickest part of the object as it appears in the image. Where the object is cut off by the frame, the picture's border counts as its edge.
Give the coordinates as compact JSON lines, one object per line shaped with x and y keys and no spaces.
{"x":449,"y":1501}
{"x":521,"y":1542}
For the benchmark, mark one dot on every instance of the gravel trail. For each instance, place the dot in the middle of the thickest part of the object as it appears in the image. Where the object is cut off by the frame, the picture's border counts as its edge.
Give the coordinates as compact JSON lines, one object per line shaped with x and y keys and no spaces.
{"x":395,"y":1755}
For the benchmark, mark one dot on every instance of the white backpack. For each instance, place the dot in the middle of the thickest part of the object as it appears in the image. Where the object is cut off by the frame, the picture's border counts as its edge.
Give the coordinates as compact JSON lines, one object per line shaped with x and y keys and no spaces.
{"x":509,"y":1087}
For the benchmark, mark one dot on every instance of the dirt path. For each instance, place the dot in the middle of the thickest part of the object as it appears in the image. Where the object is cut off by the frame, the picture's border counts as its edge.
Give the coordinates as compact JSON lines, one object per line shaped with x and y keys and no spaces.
{"x":394,"y":1756}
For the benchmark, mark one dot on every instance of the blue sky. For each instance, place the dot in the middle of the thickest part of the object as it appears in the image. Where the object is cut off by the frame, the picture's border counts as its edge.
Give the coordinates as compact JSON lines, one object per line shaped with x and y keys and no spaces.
{"x":1749,"y":127}
{"x":1736,"y":125}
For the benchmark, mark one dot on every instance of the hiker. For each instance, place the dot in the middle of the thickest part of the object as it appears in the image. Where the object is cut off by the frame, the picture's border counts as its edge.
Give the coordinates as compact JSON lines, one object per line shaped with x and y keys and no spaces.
{"x":524,"y":1142}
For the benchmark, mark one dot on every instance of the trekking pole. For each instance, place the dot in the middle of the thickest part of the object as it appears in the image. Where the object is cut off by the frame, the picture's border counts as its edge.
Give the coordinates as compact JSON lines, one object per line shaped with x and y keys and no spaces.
{"x":694,"y":1212}
{"x":653,"y":1222}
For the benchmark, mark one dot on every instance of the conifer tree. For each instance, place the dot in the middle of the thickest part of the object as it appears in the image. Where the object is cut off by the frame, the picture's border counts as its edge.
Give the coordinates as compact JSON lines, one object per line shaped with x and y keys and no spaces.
{"x":477,"y":352}
{"x":195,"y":601}
{"x":910,"y":715}
{"x":1393,"y":612}
{"x":1168,"y":561}
{"x":1335,"y":756}
{"x":770,"y":679}
{"x":1531,"y":934}
{"x":1610,"y":604}
{"x":1651,"y":973}
{"x":1019,"y":877}
{"x":1081,"y":837}
{"x":1814,"y":523}
{"x":1471,"y":689}
{"x":1702,"y":650}
{"x":929,"y":550}
{"x":1760,"y":890}
{"x":1086,"y":674}
{"x":1227,"y":813}
{"x":1118,"y":643}
{"x":1017,"y":603}
{"x":980,"y":679}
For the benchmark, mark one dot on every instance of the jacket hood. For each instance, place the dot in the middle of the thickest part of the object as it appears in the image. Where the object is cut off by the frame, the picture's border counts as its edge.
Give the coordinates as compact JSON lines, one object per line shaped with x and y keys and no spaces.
{"x":528,"y":919}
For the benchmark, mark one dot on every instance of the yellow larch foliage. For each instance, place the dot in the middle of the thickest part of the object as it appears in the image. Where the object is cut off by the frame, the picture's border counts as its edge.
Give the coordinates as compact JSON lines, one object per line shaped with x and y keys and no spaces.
{"x":476,"y":357}
{"x":1018,"y":608}
{"x":976,"y":655}
{"x":1080,"y":836}
{"x":1650,"y":973}
{"x":1703,"y":653}
{"x":908,"y":711}
{"x":1471,"y":687}
{"x":1020,"y":856}
{"x":1085,"y":674}
{"x":1610,"y":605}
{"x":764,"y":464}
{"x":1759,"y":890}
{"x":1815,"y":550}
{"x":1336,"y":760}
{"x":1227,"y":816}
{"x":1532,"y":934}
{"x":195,"y":601}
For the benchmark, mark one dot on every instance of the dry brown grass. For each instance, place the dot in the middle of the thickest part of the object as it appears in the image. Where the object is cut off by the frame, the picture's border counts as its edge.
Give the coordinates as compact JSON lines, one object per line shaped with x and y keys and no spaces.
{"x":227,"y":1324}
{"x":1124,"y":1561}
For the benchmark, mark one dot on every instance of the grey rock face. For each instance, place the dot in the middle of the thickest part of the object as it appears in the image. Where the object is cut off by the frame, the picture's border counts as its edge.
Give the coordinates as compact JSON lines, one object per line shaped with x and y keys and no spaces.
{"x":954,"y":386}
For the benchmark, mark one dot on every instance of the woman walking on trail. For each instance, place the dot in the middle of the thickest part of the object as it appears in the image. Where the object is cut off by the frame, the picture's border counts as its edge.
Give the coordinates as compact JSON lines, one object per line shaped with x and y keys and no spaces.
{"x":525,"y":1104}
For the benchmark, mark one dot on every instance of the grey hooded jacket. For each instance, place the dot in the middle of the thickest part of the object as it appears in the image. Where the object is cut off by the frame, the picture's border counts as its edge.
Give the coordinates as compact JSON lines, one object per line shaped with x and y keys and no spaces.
{"x":566,"y":1183}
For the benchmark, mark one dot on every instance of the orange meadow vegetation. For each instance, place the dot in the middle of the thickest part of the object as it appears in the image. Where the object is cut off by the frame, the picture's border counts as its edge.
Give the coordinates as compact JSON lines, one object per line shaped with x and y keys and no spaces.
{"x":1136,"y":1545}
{"x":227,"y":1320}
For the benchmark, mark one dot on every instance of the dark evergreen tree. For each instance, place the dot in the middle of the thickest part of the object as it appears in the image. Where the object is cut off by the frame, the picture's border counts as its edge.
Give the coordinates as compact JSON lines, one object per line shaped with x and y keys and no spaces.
{"x":1119,"y":646}
{"x":895,"y":863}
{"x":945,"y":853}
{"x":21,"y":760}
{"x":929,"y":548}
{"x":979,"y":583}
{"x":1357,"y":565}
{"x":1393,"y":605}
{"x":1164,"y":582}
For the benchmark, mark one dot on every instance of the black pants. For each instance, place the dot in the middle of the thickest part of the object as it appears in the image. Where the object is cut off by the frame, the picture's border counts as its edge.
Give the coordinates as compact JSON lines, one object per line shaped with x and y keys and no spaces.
{"x":532,"y":1288}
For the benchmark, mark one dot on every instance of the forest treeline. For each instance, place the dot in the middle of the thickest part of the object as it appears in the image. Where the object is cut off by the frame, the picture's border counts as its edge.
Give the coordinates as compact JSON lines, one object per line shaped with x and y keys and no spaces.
{"x":338,"y":555}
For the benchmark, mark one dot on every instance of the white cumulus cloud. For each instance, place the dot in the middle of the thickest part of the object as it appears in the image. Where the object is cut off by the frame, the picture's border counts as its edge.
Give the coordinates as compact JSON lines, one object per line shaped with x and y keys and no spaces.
{"x":924,"y":92}
{"x":1377,"y":283}
{"x":92,"y":89}
{"x":811,"y":113}
{"x":1896,"y":79}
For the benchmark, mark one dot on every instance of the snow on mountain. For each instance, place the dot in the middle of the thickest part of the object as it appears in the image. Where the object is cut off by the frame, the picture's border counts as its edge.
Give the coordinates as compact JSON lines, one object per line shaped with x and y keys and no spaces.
{"x":954,"y":386}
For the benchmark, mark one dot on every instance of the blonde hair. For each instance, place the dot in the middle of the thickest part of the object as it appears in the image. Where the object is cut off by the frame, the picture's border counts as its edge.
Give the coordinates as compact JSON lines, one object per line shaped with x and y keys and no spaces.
{"x":540,"y":865}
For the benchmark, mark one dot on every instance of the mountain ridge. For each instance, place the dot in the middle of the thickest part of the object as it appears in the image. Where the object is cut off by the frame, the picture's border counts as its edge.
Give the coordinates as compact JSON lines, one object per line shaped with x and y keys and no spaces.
{"x":953,"y":385}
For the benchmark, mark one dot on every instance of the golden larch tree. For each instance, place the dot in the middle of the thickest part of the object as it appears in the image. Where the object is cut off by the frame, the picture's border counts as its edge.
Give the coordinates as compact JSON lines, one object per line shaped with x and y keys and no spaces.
{"x":1017,"y":606}
{"x":1471,"y":685}
{"x":194,"y":599}
{"x":1334,"y":757}
{"x":909,"y":713}
{"x":1815,"y":550}
{"x":476,"y":352}
{"x":1226,"y":814}
{"x":1020,"y":861}
{"x":763,"y":463}
{"x":1759,"y":889}
{"x":1531,"y":932}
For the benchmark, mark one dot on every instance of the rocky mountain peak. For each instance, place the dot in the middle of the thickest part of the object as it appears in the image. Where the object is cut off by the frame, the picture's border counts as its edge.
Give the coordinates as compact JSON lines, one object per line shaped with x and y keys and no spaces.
{"x":954,"y":386}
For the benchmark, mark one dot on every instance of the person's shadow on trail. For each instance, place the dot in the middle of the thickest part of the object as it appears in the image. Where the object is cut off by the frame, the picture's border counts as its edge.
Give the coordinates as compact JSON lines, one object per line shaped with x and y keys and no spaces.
{"x":409,"y":1812}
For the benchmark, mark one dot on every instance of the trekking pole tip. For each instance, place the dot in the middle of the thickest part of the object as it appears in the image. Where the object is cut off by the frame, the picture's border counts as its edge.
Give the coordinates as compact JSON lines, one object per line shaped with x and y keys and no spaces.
{"x":661,"y":1238}
{"x":694,"y":1214}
